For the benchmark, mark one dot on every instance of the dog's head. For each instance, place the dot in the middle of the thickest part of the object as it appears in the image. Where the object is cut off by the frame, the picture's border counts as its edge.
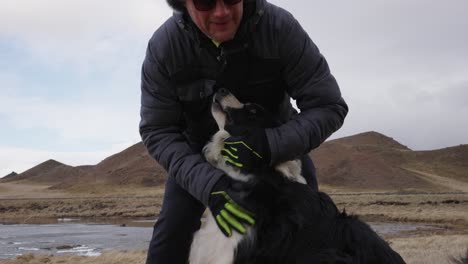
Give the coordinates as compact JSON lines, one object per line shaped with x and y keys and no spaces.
{"x":228,"y":111}
{"x":230,"y":114}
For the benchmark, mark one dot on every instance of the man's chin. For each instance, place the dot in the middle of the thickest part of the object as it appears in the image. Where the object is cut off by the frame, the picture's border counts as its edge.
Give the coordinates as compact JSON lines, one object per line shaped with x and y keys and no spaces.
{"x":220,"y":38}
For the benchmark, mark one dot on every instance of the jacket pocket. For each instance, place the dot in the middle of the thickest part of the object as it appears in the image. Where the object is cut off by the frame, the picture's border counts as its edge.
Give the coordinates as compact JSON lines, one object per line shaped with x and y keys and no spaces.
{"x":195,"y":98}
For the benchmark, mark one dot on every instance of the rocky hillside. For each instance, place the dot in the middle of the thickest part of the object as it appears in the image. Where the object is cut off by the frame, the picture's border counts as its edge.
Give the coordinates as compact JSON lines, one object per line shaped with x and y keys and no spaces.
{"x":372,"y":161}
{"x":10,"y":175}
{"x":367,"y":161}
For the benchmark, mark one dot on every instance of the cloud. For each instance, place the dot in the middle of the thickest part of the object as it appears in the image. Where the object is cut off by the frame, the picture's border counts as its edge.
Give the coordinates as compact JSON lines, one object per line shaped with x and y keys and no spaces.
{"x":401,"y":65}
{"x":81,"y":33}
{"x":423,"y":115}
{"x":82,"y":60}
{"x":392,"y":37}
{"x":71,"y":20}
{"x":71,"y":69}
{"x":72,"y":121}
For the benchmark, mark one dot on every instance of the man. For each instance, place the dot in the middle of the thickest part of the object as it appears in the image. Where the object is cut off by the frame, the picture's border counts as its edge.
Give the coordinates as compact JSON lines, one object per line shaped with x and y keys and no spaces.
{"x":261,"y":54}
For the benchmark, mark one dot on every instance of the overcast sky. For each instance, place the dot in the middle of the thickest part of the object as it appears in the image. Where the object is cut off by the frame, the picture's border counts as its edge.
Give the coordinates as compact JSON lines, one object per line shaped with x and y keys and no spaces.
{"x":70,"y":72}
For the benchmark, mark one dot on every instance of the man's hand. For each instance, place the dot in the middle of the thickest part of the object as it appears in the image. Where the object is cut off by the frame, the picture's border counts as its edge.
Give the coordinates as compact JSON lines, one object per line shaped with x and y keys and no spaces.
{"x":248,"y":150}
{"x":225,"y":206}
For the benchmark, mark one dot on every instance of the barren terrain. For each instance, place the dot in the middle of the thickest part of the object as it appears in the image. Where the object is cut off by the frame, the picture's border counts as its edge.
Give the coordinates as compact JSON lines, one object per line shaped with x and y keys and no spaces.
{"x":447,"y":211}
{"x":39,"y":202}
{"x":431,"y":249}
{"x":368,"y":174}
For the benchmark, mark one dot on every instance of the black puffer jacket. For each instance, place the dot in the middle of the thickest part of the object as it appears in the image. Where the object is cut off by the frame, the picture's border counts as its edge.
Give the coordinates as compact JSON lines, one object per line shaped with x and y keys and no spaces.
{"x":270,"y":60}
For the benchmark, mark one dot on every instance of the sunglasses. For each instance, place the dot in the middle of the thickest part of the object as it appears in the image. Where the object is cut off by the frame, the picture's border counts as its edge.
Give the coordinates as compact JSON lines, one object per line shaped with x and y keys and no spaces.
{"x":207,"y":5}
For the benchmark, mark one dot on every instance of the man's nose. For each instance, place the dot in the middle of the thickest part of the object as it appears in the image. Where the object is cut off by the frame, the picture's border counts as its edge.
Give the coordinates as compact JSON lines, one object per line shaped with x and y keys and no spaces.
{"x":221,"y":9}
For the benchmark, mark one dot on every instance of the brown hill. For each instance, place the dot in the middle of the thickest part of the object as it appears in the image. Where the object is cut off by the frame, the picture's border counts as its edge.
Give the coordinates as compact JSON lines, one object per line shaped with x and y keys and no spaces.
{"x":10,"y":175}
{"x":450,"y":162}
{"x":372,"y":161}
{"x":367,"y":161}
{"x":363,"y":169}
{"x":45,"y":172}
{"x":371,"y":138}
{"x":50,"y":172}
{"x":131,"y":166}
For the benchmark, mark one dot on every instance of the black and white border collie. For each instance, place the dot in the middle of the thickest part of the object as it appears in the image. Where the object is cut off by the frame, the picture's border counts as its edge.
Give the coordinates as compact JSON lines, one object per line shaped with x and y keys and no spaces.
{"x":294,"y":223}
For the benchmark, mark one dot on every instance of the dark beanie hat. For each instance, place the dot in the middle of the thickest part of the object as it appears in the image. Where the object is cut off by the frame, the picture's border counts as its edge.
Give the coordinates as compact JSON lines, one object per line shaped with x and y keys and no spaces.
{"x":176,"y":4}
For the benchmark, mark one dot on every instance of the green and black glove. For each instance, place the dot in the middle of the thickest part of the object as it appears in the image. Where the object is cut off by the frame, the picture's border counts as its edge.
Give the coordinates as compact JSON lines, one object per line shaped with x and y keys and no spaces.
{"x":246,"y":149}
{"x":225,"y":205}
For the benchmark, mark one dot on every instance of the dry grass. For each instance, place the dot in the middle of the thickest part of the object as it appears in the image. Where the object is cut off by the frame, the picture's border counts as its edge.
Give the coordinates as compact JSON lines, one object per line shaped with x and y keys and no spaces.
{"x":435,"y":249}
{"x":433,"y":208}
{"x":430,"y":249}
{"x":27,"y":190}
{"x":33,"y":190}
{"x":422,"y":246}
{"x":131,"y":257}
{"x":29,"y":201}
{"x":146,"y":206}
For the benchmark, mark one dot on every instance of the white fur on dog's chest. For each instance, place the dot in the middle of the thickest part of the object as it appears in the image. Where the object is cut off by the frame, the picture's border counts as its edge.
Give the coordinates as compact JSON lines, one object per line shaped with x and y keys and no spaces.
{"x":209,"y":245}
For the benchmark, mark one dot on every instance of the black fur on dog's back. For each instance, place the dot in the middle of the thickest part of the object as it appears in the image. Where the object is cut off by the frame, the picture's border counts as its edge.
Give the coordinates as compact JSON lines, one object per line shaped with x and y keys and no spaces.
{"x":296,"y":224}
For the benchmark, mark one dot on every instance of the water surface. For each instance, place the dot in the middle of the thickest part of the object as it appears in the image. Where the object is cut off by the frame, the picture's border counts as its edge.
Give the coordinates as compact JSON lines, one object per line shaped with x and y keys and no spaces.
{"x":87,"y":239}
{"x":90,"y":238}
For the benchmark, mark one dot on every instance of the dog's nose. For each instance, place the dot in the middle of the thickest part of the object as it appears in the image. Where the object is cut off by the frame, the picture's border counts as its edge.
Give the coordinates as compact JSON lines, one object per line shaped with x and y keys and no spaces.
{"x":223,"y":91}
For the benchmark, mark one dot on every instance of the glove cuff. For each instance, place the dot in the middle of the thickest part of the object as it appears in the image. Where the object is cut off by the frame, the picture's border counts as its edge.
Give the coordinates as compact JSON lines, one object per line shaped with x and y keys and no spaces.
{"x":264,"y":146}
{"x":222,"y":184}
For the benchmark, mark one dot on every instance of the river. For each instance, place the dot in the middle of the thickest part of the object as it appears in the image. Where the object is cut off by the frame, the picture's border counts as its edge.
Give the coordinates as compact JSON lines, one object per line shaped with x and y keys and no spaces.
{"x":90,"y":237}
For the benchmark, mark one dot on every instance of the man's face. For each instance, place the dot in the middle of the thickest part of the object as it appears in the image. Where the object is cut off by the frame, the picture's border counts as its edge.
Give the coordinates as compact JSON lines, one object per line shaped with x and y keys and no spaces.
{"x":219,"y":23}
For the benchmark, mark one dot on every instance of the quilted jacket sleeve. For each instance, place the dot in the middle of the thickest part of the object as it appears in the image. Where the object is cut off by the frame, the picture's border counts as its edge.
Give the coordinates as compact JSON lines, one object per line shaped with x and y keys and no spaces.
{"x":322,"y":109}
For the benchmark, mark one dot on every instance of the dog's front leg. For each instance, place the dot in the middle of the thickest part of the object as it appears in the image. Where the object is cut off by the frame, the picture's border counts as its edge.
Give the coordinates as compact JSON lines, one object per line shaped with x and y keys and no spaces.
{"x":210,"y":246}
